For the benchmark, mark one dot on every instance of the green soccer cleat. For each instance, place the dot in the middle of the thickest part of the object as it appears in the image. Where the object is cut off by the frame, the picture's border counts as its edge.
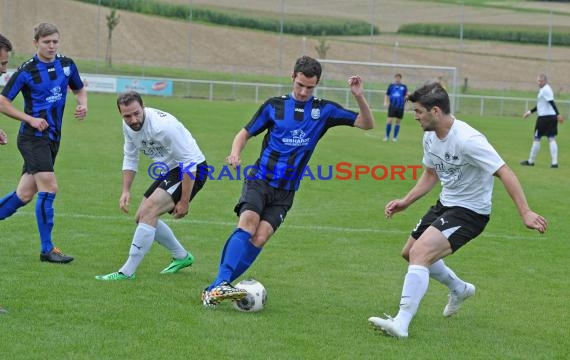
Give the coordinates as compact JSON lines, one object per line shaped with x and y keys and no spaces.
{"x":178,"y":264}
{"x":115,"y":276}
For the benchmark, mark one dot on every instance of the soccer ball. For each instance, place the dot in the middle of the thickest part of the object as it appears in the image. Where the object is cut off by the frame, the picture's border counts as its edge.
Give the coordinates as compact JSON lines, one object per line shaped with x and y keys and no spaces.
{"x":256,"y":296}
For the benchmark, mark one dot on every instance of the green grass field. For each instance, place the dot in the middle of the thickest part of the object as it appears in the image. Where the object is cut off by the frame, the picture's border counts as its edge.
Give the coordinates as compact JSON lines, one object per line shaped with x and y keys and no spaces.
{"x":334,"y":263}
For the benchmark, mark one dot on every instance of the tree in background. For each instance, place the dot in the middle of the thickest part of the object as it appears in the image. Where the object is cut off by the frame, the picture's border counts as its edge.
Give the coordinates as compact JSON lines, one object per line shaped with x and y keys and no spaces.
{"x":112,"y":22}
{"x":322,"y":48}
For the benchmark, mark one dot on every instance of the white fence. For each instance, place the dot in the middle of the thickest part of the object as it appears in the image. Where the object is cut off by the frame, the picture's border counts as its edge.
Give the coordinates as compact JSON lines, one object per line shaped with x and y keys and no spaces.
{"x":257,"y":92}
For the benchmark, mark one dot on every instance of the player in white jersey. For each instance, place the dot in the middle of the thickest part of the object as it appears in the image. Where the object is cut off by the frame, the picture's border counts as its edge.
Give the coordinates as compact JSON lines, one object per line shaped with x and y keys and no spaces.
{"x":546,"y":123}
{"x":165,"y":140}
{"x":462,"y":160}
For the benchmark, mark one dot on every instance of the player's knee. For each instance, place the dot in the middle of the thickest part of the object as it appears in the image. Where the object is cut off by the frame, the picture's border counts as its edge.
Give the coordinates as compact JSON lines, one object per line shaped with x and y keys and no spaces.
{"x":25,"y":195}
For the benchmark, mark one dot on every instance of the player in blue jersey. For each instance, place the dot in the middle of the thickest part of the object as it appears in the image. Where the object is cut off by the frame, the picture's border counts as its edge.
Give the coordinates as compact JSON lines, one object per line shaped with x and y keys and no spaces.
{"x":5,"y":48}
{"x":395,"y":100}
{"x":293,"y":125}
{"x":43,"y":81}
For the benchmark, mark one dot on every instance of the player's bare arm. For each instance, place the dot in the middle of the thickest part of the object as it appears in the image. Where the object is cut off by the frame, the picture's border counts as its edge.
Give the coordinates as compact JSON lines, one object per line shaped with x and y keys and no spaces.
{"x":531,"y":219}
{"x":125,"y":199}
{"x":182,"y":206}
{"x":81,"y":108}
{"x":8,"y":109}
{"x":240,"y":140}
{"x":365,"y":119}
{"x":425,"y":183}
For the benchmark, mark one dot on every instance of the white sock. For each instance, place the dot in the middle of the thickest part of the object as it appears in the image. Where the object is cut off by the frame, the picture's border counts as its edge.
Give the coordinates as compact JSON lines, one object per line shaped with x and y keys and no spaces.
{"x":534,"y":149}
{"x":442,"y":273}
{"x":142,"y":241}
{"x":165,"y":237}
{"x":554,"y":151}
{"x":415,"y":286}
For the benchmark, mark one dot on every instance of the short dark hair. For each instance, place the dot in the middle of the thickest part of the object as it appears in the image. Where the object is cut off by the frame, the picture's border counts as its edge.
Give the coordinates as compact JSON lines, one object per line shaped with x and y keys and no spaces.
{"x":128,"y":97}
{"x":44,"y":29}
{"x":308,"y":66}
{"x":430,"y":95}
{"x":5,"y":43}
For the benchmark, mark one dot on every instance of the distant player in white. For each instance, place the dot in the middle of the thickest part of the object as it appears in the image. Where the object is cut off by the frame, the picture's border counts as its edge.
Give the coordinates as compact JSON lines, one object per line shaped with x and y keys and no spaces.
{"x":462,"y":160}
{"x":165,"y":140}
{"x":546,"y":123}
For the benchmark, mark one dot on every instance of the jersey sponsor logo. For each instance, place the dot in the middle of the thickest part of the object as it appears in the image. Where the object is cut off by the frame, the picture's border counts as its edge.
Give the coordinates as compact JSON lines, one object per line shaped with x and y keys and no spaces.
{"x":297,"y":138}
{"x":153,"y":150}
{"x":315,"y":113}
{"x":56,"y":95}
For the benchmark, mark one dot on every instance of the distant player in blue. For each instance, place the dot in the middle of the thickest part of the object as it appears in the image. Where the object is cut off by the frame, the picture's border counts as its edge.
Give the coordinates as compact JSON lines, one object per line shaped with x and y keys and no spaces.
{"x":293,"y":125}
{"x":395,"y":100}
{"x":43,"y":81}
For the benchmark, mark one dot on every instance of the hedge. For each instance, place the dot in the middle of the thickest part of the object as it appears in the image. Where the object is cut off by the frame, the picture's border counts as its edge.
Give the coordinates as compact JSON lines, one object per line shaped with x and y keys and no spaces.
{"x":291,"y":25}
{"x":519,"y":34}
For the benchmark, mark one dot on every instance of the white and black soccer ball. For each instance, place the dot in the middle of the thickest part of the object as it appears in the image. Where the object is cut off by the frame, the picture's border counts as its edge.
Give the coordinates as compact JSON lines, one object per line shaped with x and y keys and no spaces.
{"x":256,"y":296}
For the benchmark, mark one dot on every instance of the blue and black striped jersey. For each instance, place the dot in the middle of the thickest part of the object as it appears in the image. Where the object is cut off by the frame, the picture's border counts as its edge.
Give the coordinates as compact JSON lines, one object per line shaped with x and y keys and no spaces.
{"x":293,"y":130}
{"x":397,"y":94}
{"x":44,"y":88}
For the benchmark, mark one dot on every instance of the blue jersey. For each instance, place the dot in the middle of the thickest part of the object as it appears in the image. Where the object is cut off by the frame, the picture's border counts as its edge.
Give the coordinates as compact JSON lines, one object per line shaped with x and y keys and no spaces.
{"x":44,"y":88}
{"x":293,"y":130}
{"x":397,"y":95}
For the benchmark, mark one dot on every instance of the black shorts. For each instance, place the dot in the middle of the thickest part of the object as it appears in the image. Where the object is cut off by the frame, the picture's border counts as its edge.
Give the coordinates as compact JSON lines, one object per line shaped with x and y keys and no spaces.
{"x":546,"y":126}
{"x":39,"y":153}
{"x":172,"y":183}
{"x":458,"y":224}
{"x":270,"y":203}
{"x":394,"y":112}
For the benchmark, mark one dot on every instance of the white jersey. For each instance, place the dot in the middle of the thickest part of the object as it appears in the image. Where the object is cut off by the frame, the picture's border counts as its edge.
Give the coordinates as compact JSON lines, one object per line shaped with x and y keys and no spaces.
{"x":465,"y":163}
{"x":543,"y":107}
{"x":162,"y":138}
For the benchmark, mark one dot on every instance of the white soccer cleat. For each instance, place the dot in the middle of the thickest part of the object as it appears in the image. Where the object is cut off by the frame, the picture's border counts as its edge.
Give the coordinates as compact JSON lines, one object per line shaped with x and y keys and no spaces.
{"x":389,"y":326}
{"x":456,"y":299}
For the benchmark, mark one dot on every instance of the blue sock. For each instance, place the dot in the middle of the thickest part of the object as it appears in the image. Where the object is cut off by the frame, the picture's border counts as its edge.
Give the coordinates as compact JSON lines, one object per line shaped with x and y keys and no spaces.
{"x":233,"y":253}
{"x":396,"y":130}
{"x":388,"y":129}
{"x":9,"y":204}
{"x":44,"y":218}
{"x":250,"y":254}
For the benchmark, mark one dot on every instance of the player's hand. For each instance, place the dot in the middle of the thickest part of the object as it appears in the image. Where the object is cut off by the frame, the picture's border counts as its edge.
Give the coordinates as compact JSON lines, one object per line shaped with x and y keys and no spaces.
{"x":39,"y":124}
{"x":534,"y":221}
{"x":526,"y":114}
{"x":560,"y":118}
{"x":393,"y":207}
{"x":180,"y":209}
{"x":3,"y":137}
{"x":124,"y":202}
{"x":233,"y":160}
{"x":355,"y":82}
{"x":80,"y":112}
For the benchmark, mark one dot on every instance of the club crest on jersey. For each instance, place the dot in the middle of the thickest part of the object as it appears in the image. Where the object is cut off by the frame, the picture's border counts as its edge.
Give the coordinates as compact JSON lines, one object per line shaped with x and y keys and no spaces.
{"x":316,"y":113}
{"x":66,"y":70}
